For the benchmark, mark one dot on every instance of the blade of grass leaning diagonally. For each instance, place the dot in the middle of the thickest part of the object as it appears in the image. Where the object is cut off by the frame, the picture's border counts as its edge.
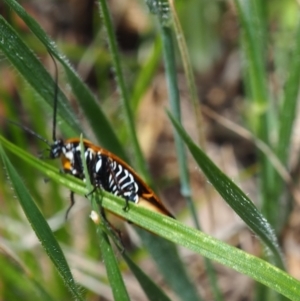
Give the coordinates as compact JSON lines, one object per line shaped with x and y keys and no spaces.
{"x":16,"y":273}
{"x":234,"y":196}
{"x":170,"y":265}
{"x":41,"y":228}
{"x":176,"y":232}
{"x":151,"y":289}
{"x":84,"y":96}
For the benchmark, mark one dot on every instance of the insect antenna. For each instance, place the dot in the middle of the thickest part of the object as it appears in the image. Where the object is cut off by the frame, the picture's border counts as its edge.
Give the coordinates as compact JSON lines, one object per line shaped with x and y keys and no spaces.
{"x":55,"y":99}
{"x":29,"y":131}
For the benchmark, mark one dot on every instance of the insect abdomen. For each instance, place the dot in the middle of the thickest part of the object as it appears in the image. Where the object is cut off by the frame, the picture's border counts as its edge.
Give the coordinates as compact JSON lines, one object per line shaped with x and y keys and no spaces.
{"x":115,"y":178}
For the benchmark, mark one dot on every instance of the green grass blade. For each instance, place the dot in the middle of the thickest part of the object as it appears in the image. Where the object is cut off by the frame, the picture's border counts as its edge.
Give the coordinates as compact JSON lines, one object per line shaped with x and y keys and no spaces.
{"x":112,"y":268}
{"x":146,"y":75}
{"x":287,"y":118}
{"x":153,"y":292}
{"x":233,"y":195}
{"x":41,"y":228}
{"x":43,"y":294}
{"x":250,"y":17}
{"x":33,"y":71}
{"x":170,"y":265}
{"x":112,"y":41}
{"x":15,"y":278}
{"x":289,"y":107}
{"x":98,"y":121}
{"x":254,"y":57}
{"x":85,"y":98}
{"x":174,"y":100}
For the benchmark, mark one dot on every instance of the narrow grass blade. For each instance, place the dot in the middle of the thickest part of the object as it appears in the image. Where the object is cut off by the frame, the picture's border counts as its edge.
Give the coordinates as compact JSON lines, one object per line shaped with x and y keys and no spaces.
{"x":233,"y":195}
{"x":112,"y":42}
{"x":15,"y":278}
{"x":146,"y":74}
{"x":289,"y":107}
{"x":254,"y":57}
{"x":250,"y":17}
{"x":287,"y":118}
{"x":153,"y":292}
{"x":112,"y":268}
{"x":41,"y":228}
{"x":174,"y":100}
{"x":85,"y":98}
{"x":170,"y":265}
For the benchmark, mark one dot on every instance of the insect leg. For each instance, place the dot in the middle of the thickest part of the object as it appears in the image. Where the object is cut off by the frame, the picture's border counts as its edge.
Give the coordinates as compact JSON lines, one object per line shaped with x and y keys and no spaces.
{"x":91,"y":192}
{"x":72,"y":200}
{"x":115,"y":233}
{"x":127,"y":200}
{"x":112,"y":231}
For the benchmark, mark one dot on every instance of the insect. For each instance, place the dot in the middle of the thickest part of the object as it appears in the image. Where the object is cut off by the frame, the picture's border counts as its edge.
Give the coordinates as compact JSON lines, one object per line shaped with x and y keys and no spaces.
{"x":106,"y":170}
